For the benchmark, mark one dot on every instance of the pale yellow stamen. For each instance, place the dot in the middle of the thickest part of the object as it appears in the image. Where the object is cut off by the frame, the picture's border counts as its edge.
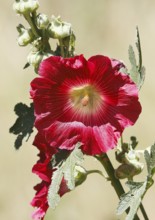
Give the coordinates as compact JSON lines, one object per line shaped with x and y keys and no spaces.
{"x":85,"y":99}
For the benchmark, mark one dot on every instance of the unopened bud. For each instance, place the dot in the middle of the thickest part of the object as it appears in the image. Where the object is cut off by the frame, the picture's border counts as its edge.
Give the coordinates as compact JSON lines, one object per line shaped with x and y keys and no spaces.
{"x":59,"y":29}
{"x":128,"y":171}
{"x":80,"y":175}
{"x":25,"y":6}
{"x":35,"y":58}
{"x":42,"y":21}
{"x":26,"y":36}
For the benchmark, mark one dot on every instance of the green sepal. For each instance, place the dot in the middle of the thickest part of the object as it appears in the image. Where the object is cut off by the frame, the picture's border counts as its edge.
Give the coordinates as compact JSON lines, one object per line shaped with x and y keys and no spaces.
{"x":26,"y":65}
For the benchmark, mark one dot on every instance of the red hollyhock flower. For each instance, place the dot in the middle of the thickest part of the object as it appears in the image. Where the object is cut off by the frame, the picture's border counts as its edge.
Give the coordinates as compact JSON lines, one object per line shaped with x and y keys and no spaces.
{"x":44,"y":170}
{"x":91,"y":102}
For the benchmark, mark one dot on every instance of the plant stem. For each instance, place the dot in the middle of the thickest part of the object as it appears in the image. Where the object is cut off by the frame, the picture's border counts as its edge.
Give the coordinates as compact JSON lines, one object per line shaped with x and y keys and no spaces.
{"x":32,"y":25}
{"x":61,"y":47}
{"x":143,"y":212}
{"x":96,"y":171}
{"x":104,"y":160}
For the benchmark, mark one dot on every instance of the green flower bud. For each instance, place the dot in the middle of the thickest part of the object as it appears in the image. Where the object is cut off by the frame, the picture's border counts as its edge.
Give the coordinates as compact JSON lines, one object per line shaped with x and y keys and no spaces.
{"x":34,"y":58}
{"x":42,"y":21}
{"x":128,"y":171}
{"x":80,"y":175}
{"x":25,"y":6}
{"x":26,"y":36}
{"x":59,"y":29}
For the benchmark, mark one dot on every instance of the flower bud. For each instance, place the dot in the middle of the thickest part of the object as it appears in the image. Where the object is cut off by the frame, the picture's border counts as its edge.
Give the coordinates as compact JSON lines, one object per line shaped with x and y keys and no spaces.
{"x":25,"y":6}
{"x":127,"y":171}
{"x":42,"y":21}
{"x":59,"y":29}
{"x":26,"y":36}
{"x":34,"y":58}
{"x":80,"y":175}
{"x":131,"y":165}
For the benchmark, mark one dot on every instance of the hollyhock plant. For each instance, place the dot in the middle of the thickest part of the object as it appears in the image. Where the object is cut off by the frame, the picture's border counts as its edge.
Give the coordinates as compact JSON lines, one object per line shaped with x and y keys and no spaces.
{"x":80,"y":107}
{"x":89,"y":101}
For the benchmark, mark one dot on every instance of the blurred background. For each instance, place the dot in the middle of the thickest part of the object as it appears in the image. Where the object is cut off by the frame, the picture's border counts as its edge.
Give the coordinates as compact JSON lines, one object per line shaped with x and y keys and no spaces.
{"x":101,"y":27}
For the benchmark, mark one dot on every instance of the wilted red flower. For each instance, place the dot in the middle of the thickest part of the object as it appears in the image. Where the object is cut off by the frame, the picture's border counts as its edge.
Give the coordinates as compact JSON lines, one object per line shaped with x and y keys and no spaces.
{"x":44,"y":170}
{"x":91,"y":102}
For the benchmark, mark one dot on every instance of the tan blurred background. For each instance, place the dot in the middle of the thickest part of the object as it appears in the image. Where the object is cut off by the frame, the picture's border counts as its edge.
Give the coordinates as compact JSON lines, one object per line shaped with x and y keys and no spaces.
{"x":102,"y":27}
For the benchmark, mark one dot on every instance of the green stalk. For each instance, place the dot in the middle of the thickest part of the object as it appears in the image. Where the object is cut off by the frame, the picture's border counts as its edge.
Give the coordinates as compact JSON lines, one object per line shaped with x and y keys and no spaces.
{"x":143,"y":212}
{"x":104,"y":160}
{"x":32,"y":25}
{"x":96,"y":171}
{"x":61,"y":47}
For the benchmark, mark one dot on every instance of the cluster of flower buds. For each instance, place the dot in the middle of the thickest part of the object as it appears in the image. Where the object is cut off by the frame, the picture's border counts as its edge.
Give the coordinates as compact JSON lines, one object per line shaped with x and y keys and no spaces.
{"x":40,"y":31}
{"x":129,"y":159}
{"x":25,"y":6}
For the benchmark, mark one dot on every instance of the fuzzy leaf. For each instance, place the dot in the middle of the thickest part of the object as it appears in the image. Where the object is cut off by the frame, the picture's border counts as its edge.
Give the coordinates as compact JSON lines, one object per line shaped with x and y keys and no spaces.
{"x":23,"y":126}
{"x":149,"y":154}
{"x":53,"y":195}
{"x":132,"y":58}
{"x":65,"y":170}
{"x":137,"y":72}
{"x":132,"y":199}
{"x":75,"y":158}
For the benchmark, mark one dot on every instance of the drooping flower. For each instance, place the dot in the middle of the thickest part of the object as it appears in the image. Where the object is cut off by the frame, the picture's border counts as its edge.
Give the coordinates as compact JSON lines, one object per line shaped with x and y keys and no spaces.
{"x":88,"y":101}
{"x":44,"y":170}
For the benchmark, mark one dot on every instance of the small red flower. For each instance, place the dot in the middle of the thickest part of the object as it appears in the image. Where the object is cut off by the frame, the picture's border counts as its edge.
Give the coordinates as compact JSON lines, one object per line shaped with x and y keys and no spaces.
{"x":91,"y":102}
{"x":44,"y":170}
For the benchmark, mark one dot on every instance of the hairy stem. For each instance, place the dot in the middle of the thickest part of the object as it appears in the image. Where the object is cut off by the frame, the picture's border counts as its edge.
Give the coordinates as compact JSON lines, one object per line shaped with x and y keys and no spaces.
{"x":96,"y":171}
{"x":32,"y":25}
{"x":104,"y":160}
{"x":61,"y":47}
{"x":143,"y":212}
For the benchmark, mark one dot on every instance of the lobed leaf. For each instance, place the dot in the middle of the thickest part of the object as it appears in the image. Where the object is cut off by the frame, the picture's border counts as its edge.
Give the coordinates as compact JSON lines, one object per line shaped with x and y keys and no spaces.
{"x":132,"y":199}
{"x":137,"y":72}
{"x":75,"y":158}
{"x":149,"y":155}
{"x":23,"y":126}
{"x":65,"y":170}
{"x":53,"y":195}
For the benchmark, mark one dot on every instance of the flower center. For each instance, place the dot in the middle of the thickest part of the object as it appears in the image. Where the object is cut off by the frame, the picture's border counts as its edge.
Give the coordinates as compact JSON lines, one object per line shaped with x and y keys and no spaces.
{"x":86,"y":99}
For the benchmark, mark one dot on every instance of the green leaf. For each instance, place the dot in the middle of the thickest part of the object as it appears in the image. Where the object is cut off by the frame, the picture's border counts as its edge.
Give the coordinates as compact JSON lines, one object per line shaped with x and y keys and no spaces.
{"x":53,"y":192}
{"x":65,"y":170}
{"x":149,"y":155}
{"x":132,"y":58}
{"x":26,"y":65}
{"x":137,"y":72}
{"x":132,"y":199}
{"x":59,"y":157}
{"x":75,"y":158}
{"x":23,"y":126}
